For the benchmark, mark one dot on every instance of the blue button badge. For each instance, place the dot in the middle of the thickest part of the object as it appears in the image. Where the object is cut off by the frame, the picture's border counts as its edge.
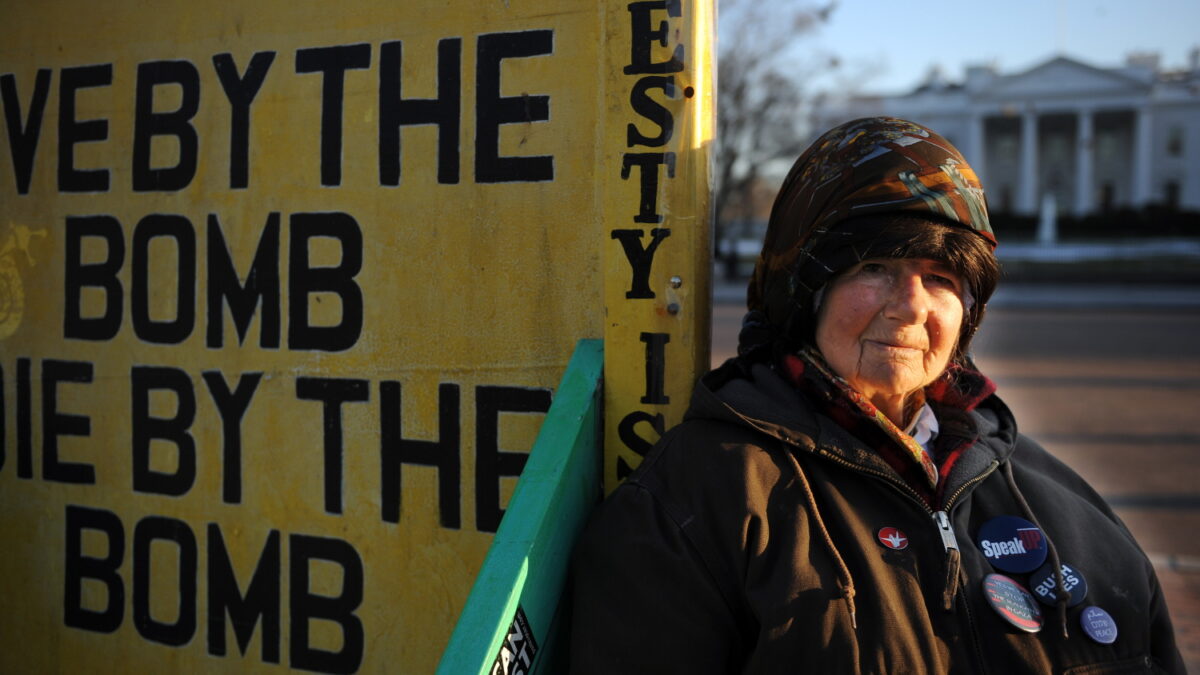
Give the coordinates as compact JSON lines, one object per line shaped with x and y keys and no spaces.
{"x":1043,"y":584}
{"x":1012,"y":544}
{"x":1098,"y":625}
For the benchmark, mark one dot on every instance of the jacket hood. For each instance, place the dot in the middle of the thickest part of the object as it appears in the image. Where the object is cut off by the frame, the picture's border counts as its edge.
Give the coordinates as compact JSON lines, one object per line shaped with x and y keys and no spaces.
{"x":754,"y":395}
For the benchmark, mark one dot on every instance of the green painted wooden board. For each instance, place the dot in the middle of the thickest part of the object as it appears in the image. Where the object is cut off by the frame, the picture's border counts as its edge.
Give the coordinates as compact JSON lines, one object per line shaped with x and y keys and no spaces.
{"x":526,"y":566}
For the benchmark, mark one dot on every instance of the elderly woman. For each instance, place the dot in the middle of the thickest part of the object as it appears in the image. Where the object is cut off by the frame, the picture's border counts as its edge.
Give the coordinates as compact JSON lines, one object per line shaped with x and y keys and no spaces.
{"x":849,"y":494}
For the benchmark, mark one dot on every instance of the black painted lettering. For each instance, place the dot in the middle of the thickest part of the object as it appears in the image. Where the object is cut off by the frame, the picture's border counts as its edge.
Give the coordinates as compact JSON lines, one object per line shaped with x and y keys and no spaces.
{"x":306,"y":605}
{"x":55,"y":423}
{"x":146,"y":532}
{"x":492,"y":109}
{"x":23,"y":136}
{"x":304,"y":280}
{"x":490,"y":462}
{"x":444,"y":453}
{"x":262,"y":285}
{"x":642,"y":34}
{"x":332,"y":393}
{"x":72,"y":131}
{"x":445,"y":111}
{"x":332,"y":63}
{"x":261,"y":600}
{"x":174,"y":430}
{"x":240,"y":90}
{"x":648,"y":162}
{"x":104,"y":570}
{"x":101,"y":275}
{"x":232,"y":406}
{"x":170,"y":331}
{"x":627,"y":432}
{"x":178,"y":123}
{"x":640,"y":259}
{"x":651,"y":110}
{"x":24,"y":420}
{"x":656,"y":367}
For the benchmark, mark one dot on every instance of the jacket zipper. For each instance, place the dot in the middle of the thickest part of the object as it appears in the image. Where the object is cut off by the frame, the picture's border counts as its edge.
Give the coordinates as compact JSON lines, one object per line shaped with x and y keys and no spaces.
{"x":963,"y":488}
{"x":905,"y":489}
{"x":900,"y":487}
{"x":953,"y":559}
{"x":945,"y":527}
{"x":942,"y":519}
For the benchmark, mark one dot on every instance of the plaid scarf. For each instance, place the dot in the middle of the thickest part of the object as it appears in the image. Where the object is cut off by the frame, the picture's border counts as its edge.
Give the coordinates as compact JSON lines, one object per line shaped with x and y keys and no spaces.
{"x":958,"y":391}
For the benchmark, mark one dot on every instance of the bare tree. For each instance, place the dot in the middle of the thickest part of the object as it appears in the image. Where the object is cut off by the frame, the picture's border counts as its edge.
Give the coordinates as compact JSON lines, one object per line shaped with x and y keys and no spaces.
{"x":761,"y":74}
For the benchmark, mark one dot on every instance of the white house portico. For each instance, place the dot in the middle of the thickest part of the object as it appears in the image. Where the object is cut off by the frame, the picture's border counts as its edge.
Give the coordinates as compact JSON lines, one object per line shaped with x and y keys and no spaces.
{"x":1097,"y":139}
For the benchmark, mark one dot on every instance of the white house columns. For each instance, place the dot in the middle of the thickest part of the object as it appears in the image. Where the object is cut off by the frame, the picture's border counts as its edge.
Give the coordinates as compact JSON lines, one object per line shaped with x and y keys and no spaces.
{"x":1083,"y":163}
{"x":976,"y":145}
{"x":1142,"y":156}
{"x":1136,"y":193}
{"x":1027,"y":187}
{"x":1102,"y":139}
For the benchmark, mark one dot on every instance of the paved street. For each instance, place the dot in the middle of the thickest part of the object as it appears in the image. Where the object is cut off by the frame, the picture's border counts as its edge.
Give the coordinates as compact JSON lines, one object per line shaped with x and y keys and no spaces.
{"x":1115,"y":393}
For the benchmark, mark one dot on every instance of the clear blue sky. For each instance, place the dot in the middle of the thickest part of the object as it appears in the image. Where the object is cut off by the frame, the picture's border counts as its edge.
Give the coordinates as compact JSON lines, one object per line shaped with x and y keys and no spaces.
{"x":886,"y":46}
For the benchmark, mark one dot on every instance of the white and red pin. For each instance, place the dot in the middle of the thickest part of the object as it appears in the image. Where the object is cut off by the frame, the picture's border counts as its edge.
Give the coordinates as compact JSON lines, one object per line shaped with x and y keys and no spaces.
{"x":892,"y":538}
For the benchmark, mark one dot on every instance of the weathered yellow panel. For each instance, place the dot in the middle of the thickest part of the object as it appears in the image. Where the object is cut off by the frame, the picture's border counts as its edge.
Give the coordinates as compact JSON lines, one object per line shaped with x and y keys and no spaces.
{"x":284,"y":289}
{"x":657,"y":291}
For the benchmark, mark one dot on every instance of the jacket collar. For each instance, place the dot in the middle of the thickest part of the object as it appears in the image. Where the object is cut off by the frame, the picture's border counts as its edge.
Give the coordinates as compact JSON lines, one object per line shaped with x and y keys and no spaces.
{"x":754,"y":395}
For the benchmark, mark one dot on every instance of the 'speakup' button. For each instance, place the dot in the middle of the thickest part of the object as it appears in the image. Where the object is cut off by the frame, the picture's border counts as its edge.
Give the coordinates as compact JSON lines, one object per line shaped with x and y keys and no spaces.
{"x":1012,"y":544}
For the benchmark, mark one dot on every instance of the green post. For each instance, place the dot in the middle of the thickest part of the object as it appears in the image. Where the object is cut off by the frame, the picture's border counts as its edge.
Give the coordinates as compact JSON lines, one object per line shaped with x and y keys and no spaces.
{"x":513,"y":614}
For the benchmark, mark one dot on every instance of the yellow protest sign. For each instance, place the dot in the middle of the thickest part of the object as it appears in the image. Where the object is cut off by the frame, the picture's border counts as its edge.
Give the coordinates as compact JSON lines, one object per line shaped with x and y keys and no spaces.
{"x":284,"y":292}
{"x":658,"y":293}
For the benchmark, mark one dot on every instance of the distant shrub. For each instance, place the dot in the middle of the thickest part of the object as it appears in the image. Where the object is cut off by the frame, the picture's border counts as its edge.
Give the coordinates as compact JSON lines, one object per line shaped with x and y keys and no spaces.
{"x":1151,"y":221}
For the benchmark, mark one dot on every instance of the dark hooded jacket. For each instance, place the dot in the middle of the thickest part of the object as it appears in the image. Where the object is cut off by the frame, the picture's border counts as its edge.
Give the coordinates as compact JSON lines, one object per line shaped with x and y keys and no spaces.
{"x":752,"y":538}
{"x":747,"y":542}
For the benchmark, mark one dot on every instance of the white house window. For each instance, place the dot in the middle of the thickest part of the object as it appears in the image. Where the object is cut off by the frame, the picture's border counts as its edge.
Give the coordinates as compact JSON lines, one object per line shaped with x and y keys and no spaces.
{"x":1006,"y":146}
{"x":1106,"y":147}
{"x":1171,"y":194}
{"x":1175,"y":141}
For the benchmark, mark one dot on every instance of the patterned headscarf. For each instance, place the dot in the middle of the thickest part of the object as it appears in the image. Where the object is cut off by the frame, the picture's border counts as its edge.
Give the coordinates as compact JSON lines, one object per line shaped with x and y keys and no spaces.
{"x":868,"y":166}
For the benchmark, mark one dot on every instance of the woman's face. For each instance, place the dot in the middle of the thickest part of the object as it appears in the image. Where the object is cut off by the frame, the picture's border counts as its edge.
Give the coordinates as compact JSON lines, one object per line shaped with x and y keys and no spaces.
{"x":890,"y":326}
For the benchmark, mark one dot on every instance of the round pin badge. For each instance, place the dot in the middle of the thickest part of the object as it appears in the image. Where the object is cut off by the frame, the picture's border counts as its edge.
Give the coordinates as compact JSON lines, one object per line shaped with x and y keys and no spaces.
{"x":892,"y":538}
{"x":1012,"y":544}
{"x":1012,"y":602}
{"x":1043,"y":584}
{"x":1098,"y":625}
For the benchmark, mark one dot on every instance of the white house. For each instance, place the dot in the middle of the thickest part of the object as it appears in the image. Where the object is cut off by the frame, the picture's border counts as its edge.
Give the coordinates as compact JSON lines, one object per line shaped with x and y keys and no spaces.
{"x":1096,"y":138}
